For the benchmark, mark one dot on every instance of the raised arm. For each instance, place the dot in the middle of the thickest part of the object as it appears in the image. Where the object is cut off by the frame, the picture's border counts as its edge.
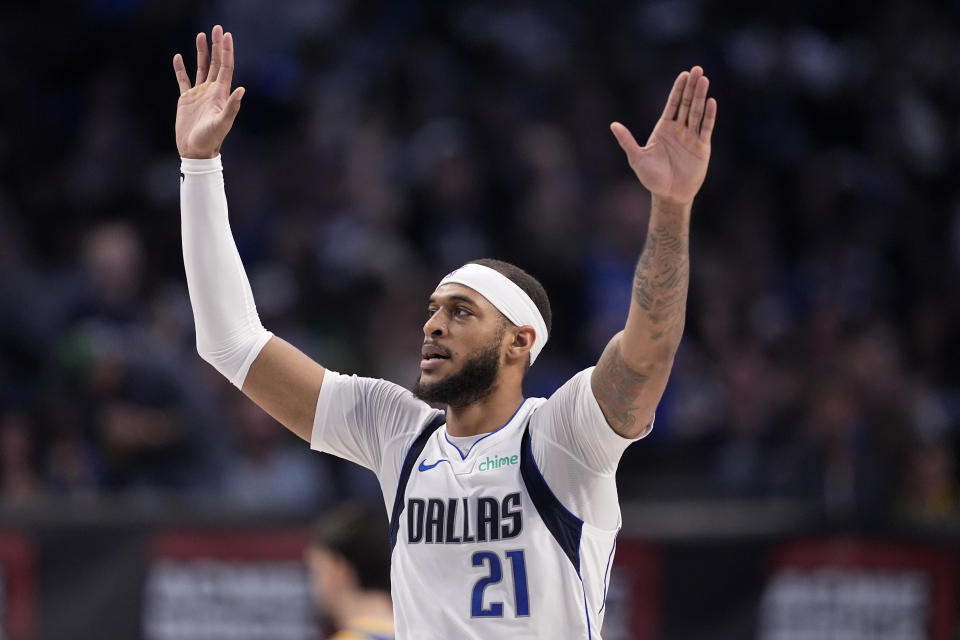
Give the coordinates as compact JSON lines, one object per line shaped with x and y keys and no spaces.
{"x":632,"y":373}
{"x":274,"y":374}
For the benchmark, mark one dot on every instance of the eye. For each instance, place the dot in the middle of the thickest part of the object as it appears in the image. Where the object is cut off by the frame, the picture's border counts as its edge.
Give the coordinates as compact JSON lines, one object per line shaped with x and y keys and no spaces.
{"x":463,"y":312}
{"x":430,"y":312}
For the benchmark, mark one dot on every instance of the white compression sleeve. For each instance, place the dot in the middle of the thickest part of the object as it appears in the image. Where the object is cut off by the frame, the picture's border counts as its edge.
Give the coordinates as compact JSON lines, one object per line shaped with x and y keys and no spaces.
{"x":229,"y":332}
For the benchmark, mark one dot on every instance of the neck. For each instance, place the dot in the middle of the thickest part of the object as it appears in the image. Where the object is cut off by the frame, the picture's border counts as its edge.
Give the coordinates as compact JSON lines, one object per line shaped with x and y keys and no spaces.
{"x":485,"y":416}
{"x":371,"y":605}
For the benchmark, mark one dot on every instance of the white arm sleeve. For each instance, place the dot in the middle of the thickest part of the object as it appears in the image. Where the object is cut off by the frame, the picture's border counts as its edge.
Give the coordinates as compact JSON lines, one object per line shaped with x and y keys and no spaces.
{"x":229,"y":332}
{"x":578,"y":452}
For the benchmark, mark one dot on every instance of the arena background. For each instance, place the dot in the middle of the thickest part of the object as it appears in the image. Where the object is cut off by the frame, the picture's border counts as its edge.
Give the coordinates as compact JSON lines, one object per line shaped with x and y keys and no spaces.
{"x":802,"y":479}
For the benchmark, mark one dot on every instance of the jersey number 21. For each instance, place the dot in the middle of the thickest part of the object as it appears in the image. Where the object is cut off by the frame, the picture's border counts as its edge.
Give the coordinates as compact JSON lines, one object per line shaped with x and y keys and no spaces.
{"x":519,"y":570}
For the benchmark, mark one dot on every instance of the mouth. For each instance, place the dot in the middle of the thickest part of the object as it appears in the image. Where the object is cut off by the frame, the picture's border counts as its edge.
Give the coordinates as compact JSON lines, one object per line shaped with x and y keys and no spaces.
{"x":433,"y":356}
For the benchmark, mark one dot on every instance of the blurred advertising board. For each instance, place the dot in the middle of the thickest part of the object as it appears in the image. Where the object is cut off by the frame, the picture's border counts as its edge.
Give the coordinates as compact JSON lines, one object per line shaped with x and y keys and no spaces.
{"x":859,"y":590}
{"x":228,"y":585}
{"x":633,"y":596}
{"x":247,"y":581}
{"x":17,"y":594}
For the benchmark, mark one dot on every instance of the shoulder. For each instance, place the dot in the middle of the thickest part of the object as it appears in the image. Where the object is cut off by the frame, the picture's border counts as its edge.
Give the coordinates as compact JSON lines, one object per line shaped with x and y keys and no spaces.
{"x":334,"y":383}
{"x":358,"y":418}
{"x":571,"y":423}
{"x":574,"y":398}
{"x":374,"y":397}
{"x":569,"y":413}
{"x":349,"y":634}
{"x":366,"y":629}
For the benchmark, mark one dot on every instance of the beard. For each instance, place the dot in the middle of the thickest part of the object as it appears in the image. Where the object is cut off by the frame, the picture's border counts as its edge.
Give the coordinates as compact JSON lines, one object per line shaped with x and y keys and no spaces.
{"x":474,"y":382}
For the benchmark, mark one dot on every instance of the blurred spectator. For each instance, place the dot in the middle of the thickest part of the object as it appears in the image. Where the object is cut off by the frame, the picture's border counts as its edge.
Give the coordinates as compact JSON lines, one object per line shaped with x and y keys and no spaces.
{"x":349,"y":564}
{"x":20,"y":479}
{"x":269,"y":470}
{"x":929,"y":491}
{"x":379,"y":145}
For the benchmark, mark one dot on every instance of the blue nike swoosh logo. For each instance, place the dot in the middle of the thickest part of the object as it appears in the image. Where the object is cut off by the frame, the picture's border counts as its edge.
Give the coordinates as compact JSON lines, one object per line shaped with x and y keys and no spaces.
{"x":426,"y":467}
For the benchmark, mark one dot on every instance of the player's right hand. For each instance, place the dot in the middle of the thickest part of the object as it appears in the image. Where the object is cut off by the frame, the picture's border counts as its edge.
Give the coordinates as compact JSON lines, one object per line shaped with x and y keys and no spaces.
{"x":205,"y":111}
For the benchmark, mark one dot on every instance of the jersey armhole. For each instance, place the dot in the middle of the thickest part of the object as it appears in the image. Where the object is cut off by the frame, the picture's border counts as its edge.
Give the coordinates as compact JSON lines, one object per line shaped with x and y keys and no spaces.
{"x":408,"y":461}
{"x":563,"y":525}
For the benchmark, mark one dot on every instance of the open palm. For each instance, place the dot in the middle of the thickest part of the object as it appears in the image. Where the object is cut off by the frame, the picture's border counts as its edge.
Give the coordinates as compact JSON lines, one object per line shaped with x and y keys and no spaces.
{"x":206,"y":111}
{"x":673,"y":163}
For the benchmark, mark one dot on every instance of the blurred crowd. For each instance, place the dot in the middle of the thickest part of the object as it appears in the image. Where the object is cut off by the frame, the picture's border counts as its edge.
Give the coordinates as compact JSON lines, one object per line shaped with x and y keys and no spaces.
{"x":381,"y":144}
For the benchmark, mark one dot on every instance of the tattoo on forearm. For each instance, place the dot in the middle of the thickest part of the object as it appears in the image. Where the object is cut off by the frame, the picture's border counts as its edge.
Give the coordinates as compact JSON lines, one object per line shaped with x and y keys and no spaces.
{"x":661,"y":280}
{"x":616,"y":387}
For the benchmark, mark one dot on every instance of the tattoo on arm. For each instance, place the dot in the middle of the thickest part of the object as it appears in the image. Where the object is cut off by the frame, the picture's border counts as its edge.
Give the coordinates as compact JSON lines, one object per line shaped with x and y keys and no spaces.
{"x":661,"y":280}
{"x":616,"y":387}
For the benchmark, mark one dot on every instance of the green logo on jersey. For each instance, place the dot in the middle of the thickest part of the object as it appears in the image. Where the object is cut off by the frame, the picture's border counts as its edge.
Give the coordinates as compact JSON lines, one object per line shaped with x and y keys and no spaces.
{"x":489,"y":464}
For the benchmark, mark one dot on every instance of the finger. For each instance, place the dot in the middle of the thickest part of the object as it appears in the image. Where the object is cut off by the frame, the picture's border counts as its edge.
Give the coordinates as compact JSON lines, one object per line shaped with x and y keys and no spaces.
{"x":687,"y":98}
{"x":225,"y":76}
{"x":673,"y":100}
{"x":215,"y":51}
{"x":709,"y":117}
{"x":203,"y":57}
{"x":181,"y":71}
{"x":233,"y":107}
{"x":699,"y":101}
{"x":626,"y":140}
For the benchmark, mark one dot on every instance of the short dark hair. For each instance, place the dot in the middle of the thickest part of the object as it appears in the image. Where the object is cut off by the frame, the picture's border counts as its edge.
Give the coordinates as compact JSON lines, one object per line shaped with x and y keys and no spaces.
{"x":359,"y":534}
{"x":530,"y":285}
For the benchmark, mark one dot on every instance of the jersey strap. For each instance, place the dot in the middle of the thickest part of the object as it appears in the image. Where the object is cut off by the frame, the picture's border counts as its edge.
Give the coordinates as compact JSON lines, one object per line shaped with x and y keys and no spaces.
{"x":562,"y":525}
{"x":408,"y":461}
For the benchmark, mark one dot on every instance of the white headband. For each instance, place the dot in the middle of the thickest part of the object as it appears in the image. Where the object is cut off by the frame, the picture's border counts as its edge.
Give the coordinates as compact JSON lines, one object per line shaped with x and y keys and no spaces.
{"x":506,"y":296}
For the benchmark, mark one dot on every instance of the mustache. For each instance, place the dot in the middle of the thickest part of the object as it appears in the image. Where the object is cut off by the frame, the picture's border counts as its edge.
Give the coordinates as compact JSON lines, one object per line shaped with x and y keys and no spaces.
{"x":435,"y":348}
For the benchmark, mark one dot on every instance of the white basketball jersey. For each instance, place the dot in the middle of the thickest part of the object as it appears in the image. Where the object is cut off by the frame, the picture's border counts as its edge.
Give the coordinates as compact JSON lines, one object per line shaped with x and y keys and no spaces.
{"x":483,"y":532}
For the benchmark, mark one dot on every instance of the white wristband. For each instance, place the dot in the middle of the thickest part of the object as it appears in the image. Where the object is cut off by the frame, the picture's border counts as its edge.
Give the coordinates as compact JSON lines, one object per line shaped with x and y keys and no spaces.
{"x":200,"y":166}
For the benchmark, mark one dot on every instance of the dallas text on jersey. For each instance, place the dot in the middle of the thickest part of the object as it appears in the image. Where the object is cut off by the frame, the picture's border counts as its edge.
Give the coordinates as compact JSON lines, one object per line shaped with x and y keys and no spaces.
{"x":484,"y":519}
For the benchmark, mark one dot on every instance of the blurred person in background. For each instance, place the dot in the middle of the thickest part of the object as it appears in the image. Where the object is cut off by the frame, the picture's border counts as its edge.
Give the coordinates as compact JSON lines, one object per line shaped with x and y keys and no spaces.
{"x":113,"y":257}
{"x":486,"y":324}
{"x":929,"y":490}
{"x":264,"y":471}
{"x":20,"y":480}
{"x":349,"y":564}
{"x":129,"y":414}
{"x":372,"y":141}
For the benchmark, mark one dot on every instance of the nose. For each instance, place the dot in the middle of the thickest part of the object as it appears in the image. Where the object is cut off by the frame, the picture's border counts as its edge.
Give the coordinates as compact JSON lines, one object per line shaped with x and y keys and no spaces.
{"x":435,"y":325}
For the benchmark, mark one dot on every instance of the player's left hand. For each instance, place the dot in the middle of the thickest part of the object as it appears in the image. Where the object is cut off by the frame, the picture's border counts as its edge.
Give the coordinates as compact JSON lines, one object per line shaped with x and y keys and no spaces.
{"x":206,"y":110}
{"x":673,"y":163}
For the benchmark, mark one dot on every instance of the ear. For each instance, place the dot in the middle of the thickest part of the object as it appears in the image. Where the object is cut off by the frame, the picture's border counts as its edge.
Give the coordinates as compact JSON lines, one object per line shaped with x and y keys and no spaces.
{"x":520,"y":342}
{"x":346,"y":575}
{"x":330,"y":568}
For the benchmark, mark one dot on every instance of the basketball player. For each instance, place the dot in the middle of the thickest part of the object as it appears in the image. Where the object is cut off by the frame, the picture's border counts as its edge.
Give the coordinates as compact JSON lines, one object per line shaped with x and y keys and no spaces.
{"x":503,"y":510}
{"x":349,"y":566}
